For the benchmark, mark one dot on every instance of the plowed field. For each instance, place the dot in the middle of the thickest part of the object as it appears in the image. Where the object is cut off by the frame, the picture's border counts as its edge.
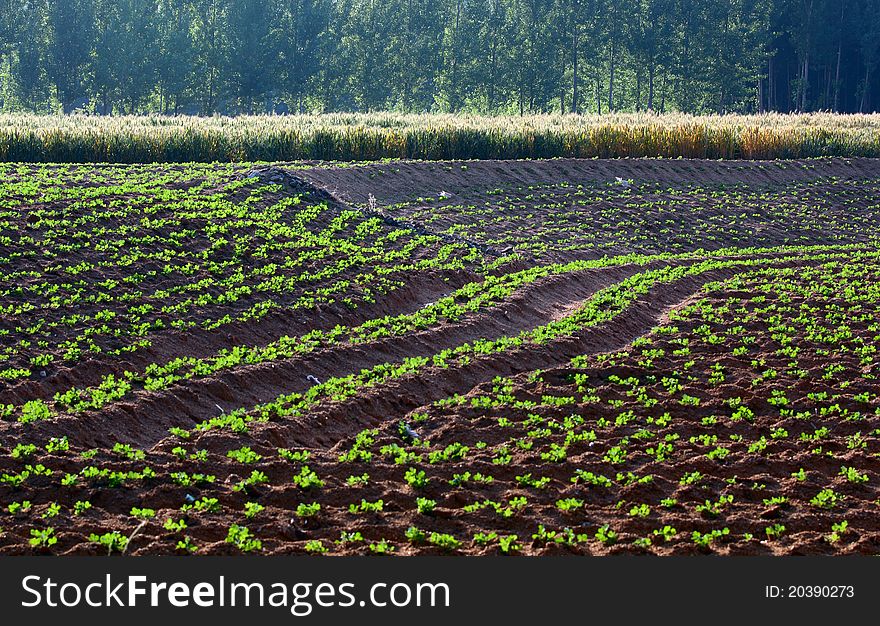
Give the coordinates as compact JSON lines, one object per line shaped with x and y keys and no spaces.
{"x":522,"y":357}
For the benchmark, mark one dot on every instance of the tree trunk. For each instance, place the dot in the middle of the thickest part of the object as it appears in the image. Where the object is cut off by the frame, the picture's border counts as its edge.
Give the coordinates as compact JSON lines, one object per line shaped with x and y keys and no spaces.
{"x":574,"y":71}
{"x":494,"y":65}
{"x":521,"y":96}
{"x":863,"y":106}
{"x":611,"y":79}
{"x":639,"y":89}
{"x":836,"y":107}
{"x":760,"y":95}
{"x":453,"y":95}
{"x":663,"y":91}
{"x":651,"y":71}
{"x":788,"y":102}
{"x":805,"y":83}
{"x":562,"y":83}
{"x":598,"y":92}
{"x":685,"y":78}
{"x":826,"y":101}
{"x":805,"y":78}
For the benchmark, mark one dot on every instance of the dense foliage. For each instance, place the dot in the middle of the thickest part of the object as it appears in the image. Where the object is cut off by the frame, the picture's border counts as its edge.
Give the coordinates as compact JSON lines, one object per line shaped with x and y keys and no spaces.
{"x":498,"y":56}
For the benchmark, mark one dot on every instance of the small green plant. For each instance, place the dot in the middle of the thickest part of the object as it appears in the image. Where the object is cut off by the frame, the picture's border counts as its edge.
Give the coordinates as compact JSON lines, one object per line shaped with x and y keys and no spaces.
{"x":315,"y":546}
{"x":23,"y":451}
{"x":366,"y":507}
{"x":667,"y":532}
{"x":837,"y":531}
{"x":425,"y":506}
{"x":606,"y":535}
{"x":691,"y":478}
{"x":853,"y":475}
{"x":381,"y":547}
{"x":244,"y":455}
{"x":705,"y":540}
{"x":187,"y":545}
{"x":179,"y":432}
{"x":774,"y":531}
{"x":569,"y":504}
{"x":714,"y":508}
{"x":416,"y":478}
{"x":242,"y":538}
{"x":307,"y":479}
{"x":52,"y":510}
{"x":126,"y":451}
{"x":775,"y":501}
{"x":508,"y":544}
{"x":19,"y":507}
{"x":526,"y":480}
{"x":307,"y":510}
{"x":444,"y":541}
{"x":826,"y":499}
{"x":203,"y":505}
{"x":357,"y":481}
{"x":252,"y":509}
{"x":590,"y":478}
{"x":349,"y":537}
{"x":299,"y":456}
{"x":640,"y":510}
{"x":173,"y":526}
{"x":143,"y":513}
{"x":114,"y":541}
{"x":256,"y":478}
{"x":484,"y":539}
{"x":43,"y":537}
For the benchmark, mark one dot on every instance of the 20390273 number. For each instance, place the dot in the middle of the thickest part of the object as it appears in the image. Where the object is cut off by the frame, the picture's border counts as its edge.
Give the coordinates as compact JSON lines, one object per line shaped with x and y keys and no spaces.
{"x":821,"y":591}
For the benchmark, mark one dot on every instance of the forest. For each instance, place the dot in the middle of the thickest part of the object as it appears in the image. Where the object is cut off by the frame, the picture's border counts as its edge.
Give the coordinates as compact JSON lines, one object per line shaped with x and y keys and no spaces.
{"x":480,"y":56}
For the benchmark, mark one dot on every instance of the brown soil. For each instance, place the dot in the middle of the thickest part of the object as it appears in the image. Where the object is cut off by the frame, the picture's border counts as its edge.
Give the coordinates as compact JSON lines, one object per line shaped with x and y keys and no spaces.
{"x":404,"y":180}
{"x":531,"y":377}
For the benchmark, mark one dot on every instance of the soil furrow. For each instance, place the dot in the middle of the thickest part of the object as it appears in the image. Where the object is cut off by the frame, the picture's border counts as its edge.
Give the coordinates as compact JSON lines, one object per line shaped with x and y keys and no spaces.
{"x":201,"y":343}
{"x":145,"y":419}
{"x":405,"y":180}
{"x":330,"y":422}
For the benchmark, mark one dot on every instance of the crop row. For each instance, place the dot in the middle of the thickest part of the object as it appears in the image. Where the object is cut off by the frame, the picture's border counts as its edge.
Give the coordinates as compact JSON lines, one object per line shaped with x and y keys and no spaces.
{"x":471,"y":298}
{"x":553,"y":220}
{"x":760,"y":392}
{"x":157,"y":259}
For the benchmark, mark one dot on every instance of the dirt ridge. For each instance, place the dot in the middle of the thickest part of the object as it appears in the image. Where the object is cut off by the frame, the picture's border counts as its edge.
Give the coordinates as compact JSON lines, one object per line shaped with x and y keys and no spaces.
{"x":148,"y":415}
{"x":331,"y":422}
{"x":405,"y":180}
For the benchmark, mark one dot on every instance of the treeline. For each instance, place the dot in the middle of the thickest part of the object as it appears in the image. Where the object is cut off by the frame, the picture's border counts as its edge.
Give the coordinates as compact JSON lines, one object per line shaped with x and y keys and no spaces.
{"x":486,"y":56}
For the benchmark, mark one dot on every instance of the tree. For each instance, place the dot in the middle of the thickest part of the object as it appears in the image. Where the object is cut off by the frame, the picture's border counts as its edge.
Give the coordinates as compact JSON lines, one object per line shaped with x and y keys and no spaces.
{"x":29,"y":64}
{"x":175,"y":72}
{"x":69,"y":52}
{"x":301,"y":40}
{"x":870,"y":50}
{"x":210,"y":51}
{"x":253,"y":50}
{"x":525,"y":56}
